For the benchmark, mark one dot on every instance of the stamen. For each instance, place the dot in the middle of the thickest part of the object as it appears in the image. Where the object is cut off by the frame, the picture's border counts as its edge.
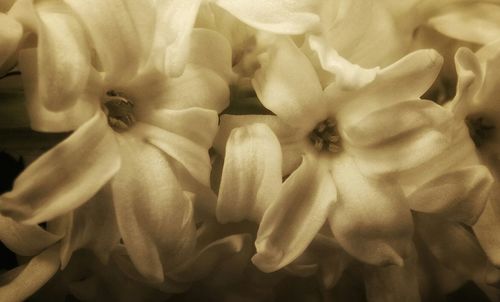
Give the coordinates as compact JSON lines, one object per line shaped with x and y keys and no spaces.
{"x":119,"y":110}
{"x":325,"y":137}
{"x":481,"y":129}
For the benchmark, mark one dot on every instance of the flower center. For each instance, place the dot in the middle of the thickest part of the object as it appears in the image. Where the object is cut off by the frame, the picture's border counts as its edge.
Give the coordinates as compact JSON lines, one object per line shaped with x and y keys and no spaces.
{"x":120,"y":111}
{"x":325,"y":136}
{"x":481,"y":129}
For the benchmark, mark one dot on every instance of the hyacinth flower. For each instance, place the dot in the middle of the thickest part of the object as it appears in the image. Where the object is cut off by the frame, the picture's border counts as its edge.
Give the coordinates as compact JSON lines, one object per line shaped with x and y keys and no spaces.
{"x":337,"y":150}
{"x":143,"y":102}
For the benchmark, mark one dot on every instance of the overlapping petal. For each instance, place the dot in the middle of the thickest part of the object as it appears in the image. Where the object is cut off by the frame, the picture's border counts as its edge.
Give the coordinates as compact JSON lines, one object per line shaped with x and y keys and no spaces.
{"x":10,"y":34}
{"x":292,"y":221}
{"x":66,"y":176}
{"x":154,"y":216}
{"x":370,"y":219}
{"x":251,"y":177}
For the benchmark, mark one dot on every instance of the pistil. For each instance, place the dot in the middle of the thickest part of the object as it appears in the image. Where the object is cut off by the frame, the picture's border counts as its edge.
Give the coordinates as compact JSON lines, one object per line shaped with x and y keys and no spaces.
{"x":325,"y":137}
{"x":120,"y":111}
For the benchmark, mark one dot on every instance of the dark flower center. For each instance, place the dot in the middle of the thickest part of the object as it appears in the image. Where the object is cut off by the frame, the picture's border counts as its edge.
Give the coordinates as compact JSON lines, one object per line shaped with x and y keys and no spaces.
{"x":481,"y":129}
{"x":120,"y":111}
{"x":325,"y":136}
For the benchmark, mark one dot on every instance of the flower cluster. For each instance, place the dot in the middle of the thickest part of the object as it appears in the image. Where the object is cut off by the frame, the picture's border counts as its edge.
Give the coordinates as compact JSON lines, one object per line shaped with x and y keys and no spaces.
{"x":265,"y":150}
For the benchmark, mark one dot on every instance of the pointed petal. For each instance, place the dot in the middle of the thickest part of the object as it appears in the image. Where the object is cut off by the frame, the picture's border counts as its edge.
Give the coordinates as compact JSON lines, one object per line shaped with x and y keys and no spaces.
{"x":283,"y":17}
{"x":190,"y":154}
{"x":291,"y":91}
{"x":370,"y":220}
{"x":63,"y":58}
{"x":471,"y":22}
{"x":292,"y":221}
{"x":407,"y":79}
{"x":459,"y":195}
{"x":92,"y":226}
{"x":111,"y":28}
{"x":251,"y":177}
{"x":174,"y":23}
{"x":25,"y":240}
{"x":154,"y":217}
{"x":392,"y":283}
{"x":66,"y":176}
{"x":31,"y":277}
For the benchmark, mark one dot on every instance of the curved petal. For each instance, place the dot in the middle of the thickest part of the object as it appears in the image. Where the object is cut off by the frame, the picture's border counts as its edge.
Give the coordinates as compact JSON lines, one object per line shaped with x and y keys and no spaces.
{"x":216,"y":256}
{"x":459,"y":195}
{"x":197,"y":87}
{"x":27,"y":279}
{"x":174,"y":23}
{"x":471,"y":22}
{"x":41,"y":118}
{"x":251,"y":177}
{"x":292,"y":221}
{"x":111,"y":28}
{"x":211,"y":50}
{"x":92,"y":226}
{"x":154,"y":217}
{"x":192,"y":155}
{"x":196,"y":124}
{"x":10,"y":35}
{"x":407,"y":79}
{"x":370,"y":219}
{"x":282,"y":17}
{"x":291,"y":90}
{"x":25,"y":240}
{"x":63,"y":58}
{"x":400,"y":137}
{"x":66,"y":176}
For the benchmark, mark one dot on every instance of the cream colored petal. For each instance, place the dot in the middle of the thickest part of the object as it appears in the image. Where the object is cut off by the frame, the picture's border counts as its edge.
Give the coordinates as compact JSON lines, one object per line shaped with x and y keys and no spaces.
{"x":371,"y":220}
{"x":66,"y":176}
{"x":251,"y":177}
{"x":488,"y":227}
{"x":292,"y":221}
{"x":10,"y":34}
{"x":154,"y":217}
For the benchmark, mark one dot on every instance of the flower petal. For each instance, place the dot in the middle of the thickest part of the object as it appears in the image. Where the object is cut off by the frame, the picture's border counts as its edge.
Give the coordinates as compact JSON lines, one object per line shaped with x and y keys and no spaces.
{"x":251,"y":177}
{"x":63,"y":58}
{"x":282,"y":17}
{"x":400,"y":137}
{"x":10,"y":35}
{"x":66,"y":176}
{"x":25,"y":240}
{"x":92,"y":226}
{"x":471,"y":22}
{"x":292,"y":221}
{"x":41,"y":118}
{"x":213,"y":51}
{"x":488,"y":226}
{"x":407,"y":79}
{"x":31,"y":277}
{"x":111,"y":28}
{"x":291,"y":91}
{"x":154,"y":217}
{"x":192,"y":155}
{"x":174,"y":23}
{"x":459,"y":195}
{"x":370,"y":220}
{"x":197,"y":87}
